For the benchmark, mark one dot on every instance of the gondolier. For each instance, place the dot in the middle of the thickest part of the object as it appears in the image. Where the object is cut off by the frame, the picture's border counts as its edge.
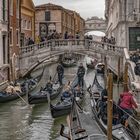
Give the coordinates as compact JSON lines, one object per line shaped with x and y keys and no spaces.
{"x":60,"y":71}
{"x":80,"y":75}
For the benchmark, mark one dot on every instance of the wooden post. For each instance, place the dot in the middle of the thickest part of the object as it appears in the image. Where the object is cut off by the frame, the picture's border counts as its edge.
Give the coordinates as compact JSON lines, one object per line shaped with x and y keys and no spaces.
{"x":118,"y":78}
{"x":110,"y":106}
{"x":125,"y":77}
{"x":105,"y":70}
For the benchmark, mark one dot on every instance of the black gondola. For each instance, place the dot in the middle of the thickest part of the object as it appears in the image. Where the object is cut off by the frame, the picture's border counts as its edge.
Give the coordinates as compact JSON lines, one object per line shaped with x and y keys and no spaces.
{"x":69,"y":63}
{"x":31,"y":83}
{"x":118,"y":130}
{"x":43,"y":95}
{"x":61,"y":108}
{"x":64,"y":107}
{"x":6,"y":97}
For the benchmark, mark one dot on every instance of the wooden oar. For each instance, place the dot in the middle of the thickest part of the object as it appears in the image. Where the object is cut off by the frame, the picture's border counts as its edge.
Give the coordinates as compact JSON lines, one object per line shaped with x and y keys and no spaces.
{"x":22,"y":99}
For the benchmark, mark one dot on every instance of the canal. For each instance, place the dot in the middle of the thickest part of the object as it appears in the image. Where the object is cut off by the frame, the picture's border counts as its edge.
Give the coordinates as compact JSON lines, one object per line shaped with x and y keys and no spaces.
{"x":19,"y":121}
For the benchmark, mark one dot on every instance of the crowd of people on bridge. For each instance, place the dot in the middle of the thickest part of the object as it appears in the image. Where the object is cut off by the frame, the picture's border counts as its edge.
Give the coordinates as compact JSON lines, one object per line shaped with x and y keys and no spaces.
{"x":110,"y":40}
{"x":53,"y":34}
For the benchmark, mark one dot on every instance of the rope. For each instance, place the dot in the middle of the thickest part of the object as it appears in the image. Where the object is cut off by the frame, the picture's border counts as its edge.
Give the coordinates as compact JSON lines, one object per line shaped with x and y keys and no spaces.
{"x":128,"y":114}
{"x":95,"y":80}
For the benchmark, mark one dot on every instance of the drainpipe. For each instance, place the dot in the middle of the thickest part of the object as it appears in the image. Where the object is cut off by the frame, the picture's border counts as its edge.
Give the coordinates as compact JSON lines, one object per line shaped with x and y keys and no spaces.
{"x":8,"y":39}
{"x":19,"y":38}
{"x":125,"y":22}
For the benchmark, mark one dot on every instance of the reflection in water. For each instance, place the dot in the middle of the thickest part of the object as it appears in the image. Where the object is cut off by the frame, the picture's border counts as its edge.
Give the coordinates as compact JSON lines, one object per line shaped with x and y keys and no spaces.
{"x":21,"y":122}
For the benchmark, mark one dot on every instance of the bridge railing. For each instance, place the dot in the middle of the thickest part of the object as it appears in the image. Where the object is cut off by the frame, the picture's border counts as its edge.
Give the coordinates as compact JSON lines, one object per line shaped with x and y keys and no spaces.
{"x":71,"y":44}
{"x":106,"y":47}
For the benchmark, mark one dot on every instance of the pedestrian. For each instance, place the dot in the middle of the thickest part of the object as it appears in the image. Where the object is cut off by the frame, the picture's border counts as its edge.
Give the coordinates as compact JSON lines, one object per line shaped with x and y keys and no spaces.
{"x":30,"y":41}
{"x":66,"y":35}
{"x":80,"y":75}
{"x":60,"y":72}
{"x":127,"y":104}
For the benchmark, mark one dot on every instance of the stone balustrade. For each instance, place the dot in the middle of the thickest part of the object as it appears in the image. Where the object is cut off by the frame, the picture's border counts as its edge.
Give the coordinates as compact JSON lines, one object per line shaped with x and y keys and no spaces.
{"x":73,"y":45}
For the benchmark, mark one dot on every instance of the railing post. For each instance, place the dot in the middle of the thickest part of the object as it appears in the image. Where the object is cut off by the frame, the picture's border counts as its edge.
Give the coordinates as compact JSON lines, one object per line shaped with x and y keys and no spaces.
{"x":118,"y":78}
{"x":87,"y":44}
{"x":53,"y":45}
{"x":105,"y":70}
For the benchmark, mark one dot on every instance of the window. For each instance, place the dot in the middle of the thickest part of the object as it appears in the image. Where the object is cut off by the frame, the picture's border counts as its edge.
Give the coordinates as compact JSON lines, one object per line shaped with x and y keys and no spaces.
{"x":3,"y":10}
{"x":11,"y":7}
{"x":24,"y":24}
{"x":11,"y":36}
{"x":17,"y":36}
{"x":29,"y":25}
{"x":47,"y":16}
{"x":4,"y":48}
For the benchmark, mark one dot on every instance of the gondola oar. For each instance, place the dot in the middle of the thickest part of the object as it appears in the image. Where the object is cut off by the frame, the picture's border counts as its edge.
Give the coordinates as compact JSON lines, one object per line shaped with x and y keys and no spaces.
{"x":22,"y":98}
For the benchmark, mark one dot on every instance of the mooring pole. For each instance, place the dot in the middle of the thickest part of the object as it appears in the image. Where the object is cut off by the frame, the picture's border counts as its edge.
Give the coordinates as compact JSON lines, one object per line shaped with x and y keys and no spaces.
{"x":110,"y":106}
{"x":125,"y":77}
{"x":118,"y":78}
{"x":105,"y":70}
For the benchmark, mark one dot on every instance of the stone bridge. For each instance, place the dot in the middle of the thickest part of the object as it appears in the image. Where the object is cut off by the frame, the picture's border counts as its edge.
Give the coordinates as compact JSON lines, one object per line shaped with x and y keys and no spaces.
{"x":32,"y":56}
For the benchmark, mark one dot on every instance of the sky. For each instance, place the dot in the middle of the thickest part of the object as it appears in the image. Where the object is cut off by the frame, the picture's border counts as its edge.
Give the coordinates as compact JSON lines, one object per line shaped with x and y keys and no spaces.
{"x":86,"y":8}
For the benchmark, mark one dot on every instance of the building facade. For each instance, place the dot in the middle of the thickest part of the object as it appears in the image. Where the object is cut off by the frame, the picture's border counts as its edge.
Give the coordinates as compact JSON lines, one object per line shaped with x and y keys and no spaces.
{"x":79,"y":23}
{"x":51,"y":17}
{"x":27,"y":21}
{"x":4,"y":55}
{"x":123,"y":18}
{"x":14,"y":37}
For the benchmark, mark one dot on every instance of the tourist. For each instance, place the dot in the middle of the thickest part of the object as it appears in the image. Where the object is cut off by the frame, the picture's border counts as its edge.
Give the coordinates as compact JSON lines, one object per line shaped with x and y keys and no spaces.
{"x":127,"y":104}
{"x":77,"y":91}
{"x":66,"y":94}
{"x":10,"y":88}
{"x":30,"y":41}
{"x":80,"y":75}
{"x":66,"y":35}
{"x":17,"y":88}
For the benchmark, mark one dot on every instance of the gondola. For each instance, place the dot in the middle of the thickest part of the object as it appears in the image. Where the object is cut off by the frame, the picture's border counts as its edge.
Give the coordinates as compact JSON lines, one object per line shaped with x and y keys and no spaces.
{"x":77,"y":128}
{"x":118,"y":130}
{"x":43,"y":95}
{"x":76,"y":131}
{"x":27,"y":86}
{"x":63,"y":107}
{"x":68,"y":63}
{"x":6,"y":97}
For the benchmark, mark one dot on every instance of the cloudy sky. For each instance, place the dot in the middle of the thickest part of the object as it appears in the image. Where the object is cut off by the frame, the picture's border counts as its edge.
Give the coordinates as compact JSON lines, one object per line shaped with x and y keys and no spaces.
{"x":86,"y":8}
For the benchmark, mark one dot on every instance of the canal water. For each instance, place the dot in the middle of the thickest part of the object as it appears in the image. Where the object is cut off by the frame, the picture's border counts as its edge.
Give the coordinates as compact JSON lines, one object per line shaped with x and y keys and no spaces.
{"x":19,"y":121}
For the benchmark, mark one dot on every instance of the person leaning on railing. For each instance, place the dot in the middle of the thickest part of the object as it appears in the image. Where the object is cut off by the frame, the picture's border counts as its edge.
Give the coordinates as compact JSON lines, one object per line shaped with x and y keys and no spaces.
{"x":127,"y":104}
